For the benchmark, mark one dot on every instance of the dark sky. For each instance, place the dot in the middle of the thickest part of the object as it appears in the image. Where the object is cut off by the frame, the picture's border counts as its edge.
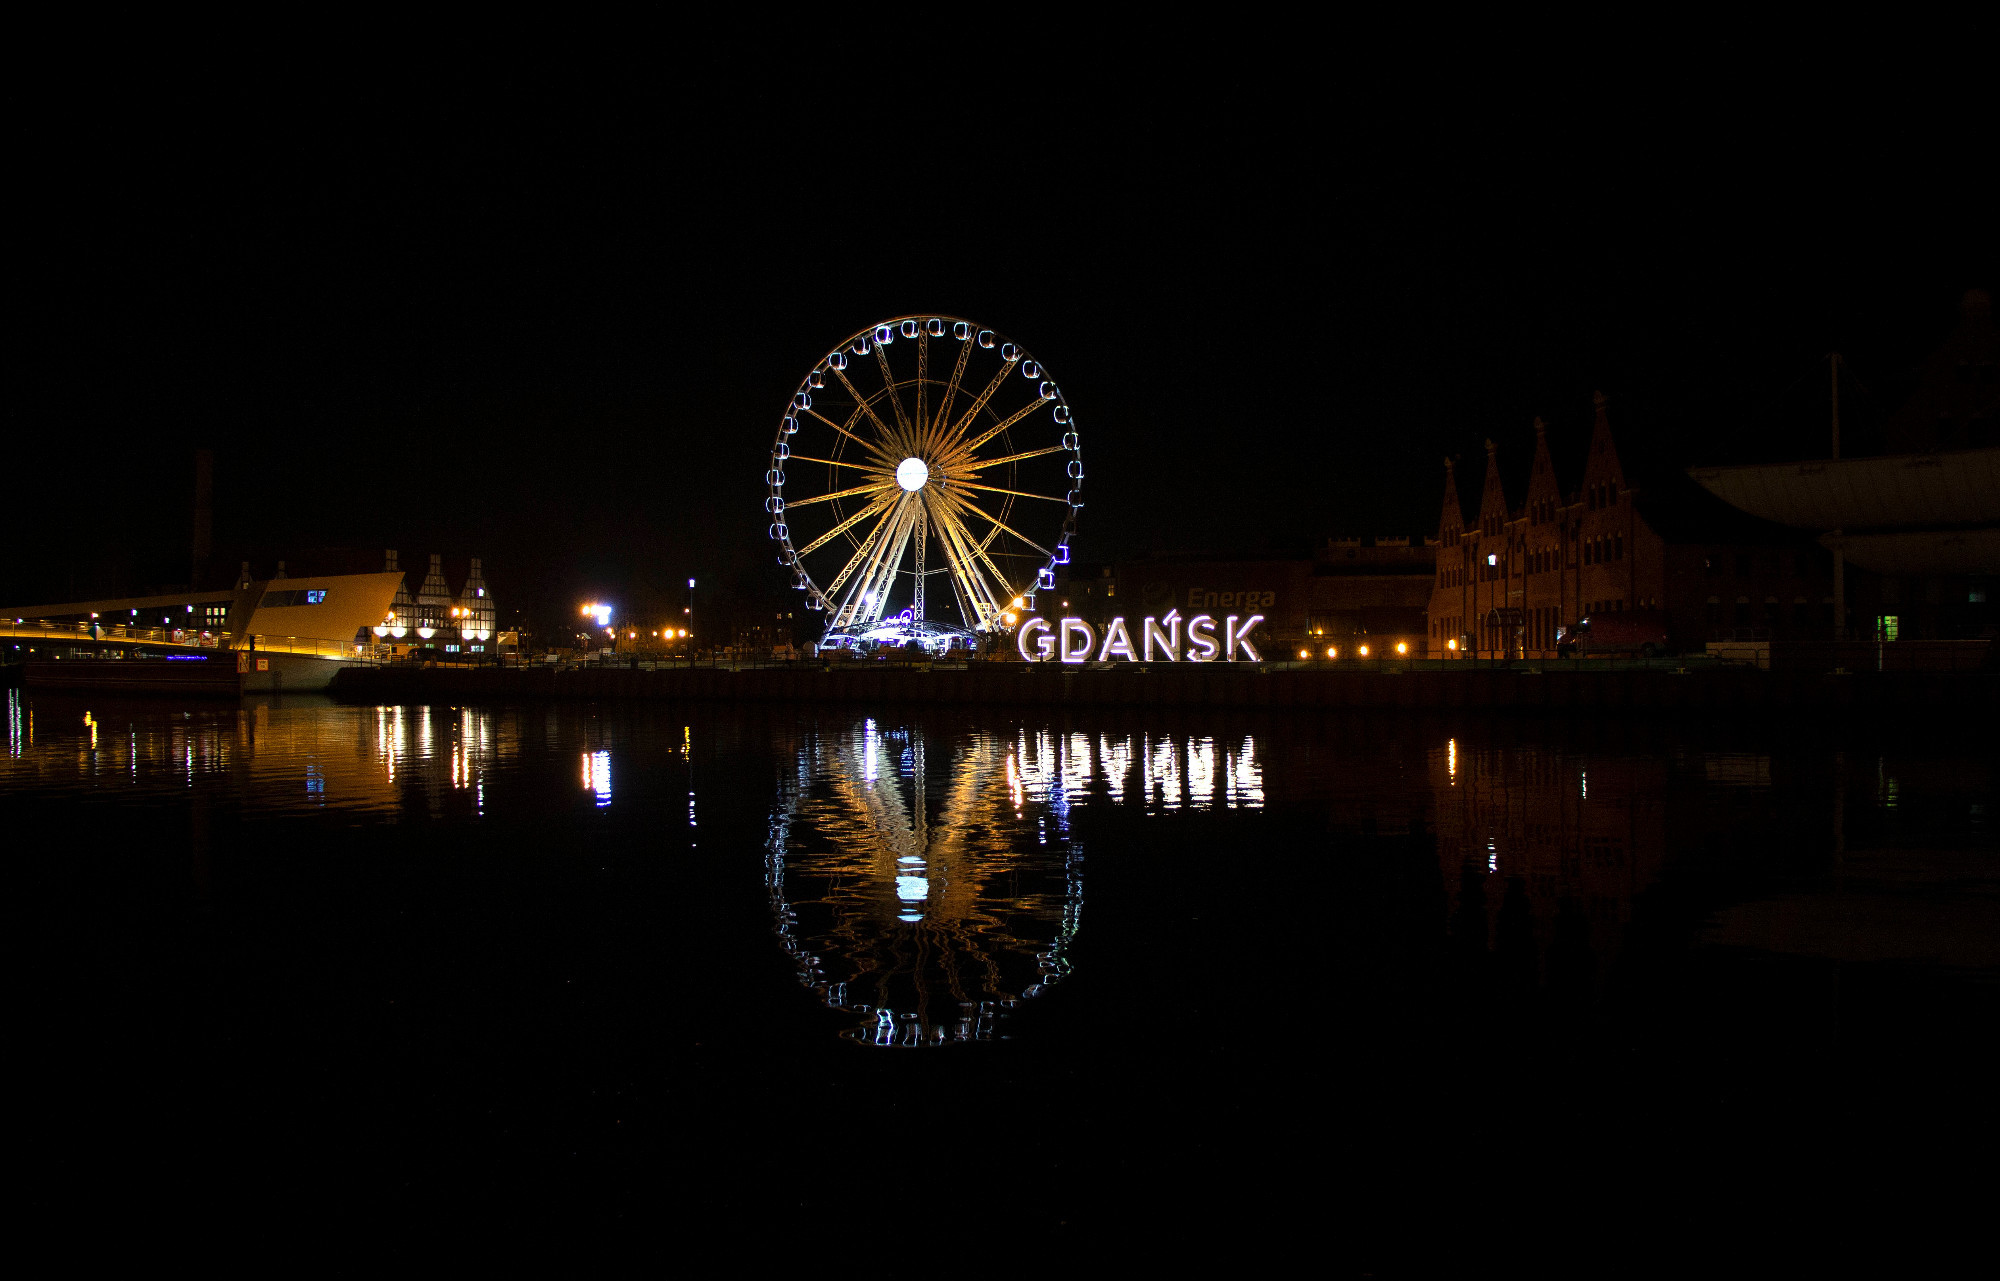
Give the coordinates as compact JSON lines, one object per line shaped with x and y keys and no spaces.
{"x":549,"y":313}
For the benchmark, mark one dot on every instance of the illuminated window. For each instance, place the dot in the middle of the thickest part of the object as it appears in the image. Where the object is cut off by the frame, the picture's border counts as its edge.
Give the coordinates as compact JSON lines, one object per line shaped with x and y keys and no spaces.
{"x":1887,"y":626}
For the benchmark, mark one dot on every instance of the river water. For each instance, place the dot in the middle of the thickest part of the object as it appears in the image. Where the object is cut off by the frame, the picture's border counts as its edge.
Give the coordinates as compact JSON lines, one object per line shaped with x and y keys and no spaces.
{"x":931,"y":986}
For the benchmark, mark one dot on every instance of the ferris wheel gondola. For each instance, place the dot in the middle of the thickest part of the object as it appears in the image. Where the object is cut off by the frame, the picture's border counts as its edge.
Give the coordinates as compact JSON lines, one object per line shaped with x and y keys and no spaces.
{"x":924,"y":447}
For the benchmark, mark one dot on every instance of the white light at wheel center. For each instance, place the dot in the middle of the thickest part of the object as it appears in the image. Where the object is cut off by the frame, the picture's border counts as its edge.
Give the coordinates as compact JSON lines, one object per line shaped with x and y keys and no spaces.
{"x":911,"y":474}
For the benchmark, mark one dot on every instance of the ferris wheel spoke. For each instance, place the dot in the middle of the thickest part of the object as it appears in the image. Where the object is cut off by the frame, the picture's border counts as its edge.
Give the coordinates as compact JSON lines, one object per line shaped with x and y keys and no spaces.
{"x":868,"y":445}
{"x":889,"y":386}
{"x":951,"y":538}
{"x":865,"y":406}
{"x":871,"y":589}
{"x":845,"y":525}
{"x":923,"y":385}
{"x":841,"y":493}
{"x":968,"y":579}
{"x":993,"y":598}
{"x":1011,"y":458}
{"x":935,"y":431}
{"x":975,"y":508}
{"x":977,"y":547}
{"x":1017,"y":493}
{"x":950,"y":443}
{"x":866,"y":549}
{"x":997,"y":428}
{"x":835,"y":462}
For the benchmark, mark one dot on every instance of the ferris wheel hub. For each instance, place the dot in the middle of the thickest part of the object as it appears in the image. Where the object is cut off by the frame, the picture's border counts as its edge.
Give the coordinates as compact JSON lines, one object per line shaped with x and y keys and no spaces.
{"x":911,"y":474}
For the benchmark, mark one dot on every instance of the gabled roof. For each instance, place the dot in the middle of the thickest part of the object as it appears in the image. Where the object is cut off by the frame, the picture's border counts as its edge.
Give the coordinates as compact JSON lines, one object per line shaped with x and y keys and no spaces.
{"x":1452,"y":514}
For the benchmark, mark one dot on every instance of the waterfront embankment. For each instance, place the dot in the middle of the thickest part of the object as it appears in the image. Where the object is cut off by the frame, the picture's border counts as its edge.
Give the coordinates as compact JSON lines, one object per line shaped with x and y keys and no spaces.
{"x":1528,"y":688}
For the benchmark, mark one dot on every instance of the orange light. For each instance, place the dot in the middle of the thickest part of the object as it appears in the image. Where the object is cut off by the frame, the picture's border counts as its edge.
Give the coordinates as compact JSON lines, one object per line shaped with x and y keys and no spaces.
{"x":1332,"y":652}
{"x":1364,"y":651}
{"x":1452,"y":643}
{"x":1305,"y":653}
{"x":1402,"y":647}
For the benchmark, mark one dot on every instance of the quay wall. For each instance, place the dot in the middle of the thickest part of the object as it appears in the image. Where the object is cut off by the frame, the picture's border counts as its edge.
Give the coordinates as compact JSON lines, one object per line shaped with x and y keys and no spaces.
{"x":1724,"y":691}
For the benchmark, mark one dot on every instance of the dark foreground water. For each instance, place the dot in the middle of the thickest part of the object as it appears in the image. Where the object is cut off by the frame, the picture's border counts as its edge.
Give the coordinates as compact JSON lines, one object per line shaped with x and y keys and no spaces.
{"x":725,"y":986}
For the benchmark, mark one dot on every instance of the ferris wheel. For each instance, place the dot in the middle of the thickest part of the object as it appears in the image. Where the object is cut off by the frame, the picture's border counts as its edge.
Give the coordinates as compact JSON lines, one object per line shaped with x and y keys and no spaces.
{"x":920,"y":448}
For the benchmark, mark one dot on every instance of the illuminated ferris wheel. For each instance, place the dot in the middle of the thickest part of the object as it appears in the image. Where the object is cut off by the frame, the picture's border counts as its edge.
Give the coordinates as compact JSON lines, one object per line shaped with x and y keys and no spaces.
{"x":921,"y":448}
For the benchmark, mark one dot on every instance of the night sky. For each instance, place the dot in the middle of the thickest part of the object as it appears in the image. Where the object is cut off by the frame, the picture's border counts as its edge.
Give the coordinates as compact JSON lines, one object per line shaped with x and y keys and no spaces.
{"x":548,"y":314}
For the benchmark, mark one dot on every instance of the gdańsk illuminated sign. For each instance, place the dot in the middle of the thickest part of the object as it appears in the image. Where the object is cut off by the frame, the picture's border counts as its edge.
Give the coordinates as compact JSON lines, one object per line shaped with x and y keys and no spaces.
{"x":1071,"y":640}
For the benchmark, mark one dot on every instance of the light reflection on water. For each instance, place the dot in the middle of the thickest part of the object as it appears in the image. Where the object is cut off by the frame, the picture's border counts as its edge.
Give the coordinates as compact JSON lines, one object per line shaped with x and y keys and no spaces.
{"x":926,"y":881}
{"x":278,"y":758}
{"x":931,"y":883}
{"x":906,"y":887}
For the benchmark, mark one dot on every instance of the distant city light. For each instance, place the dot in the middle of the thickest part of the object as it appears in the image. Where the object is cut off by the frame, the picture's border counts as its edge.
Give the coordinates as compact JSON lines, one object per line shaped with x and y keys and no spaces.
{"x":1333,"y":651}
{"x":1364,"y":651}
{"x":1402,"y":647}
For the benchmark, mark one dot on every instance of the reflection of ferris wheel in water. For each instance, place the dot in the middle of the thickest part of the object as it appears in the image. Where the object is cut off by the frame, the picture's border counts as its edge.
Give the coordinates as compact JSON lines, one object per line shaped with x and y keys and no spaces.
{"x":925,"y":910}
{"x":922,"y":448}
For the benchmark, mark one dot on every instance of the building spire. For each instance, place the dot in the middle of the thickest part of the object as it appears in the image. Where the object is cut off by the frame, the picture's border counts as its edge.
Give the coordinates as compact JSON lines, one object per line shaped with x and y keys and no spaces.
{"x":1452,"y":516}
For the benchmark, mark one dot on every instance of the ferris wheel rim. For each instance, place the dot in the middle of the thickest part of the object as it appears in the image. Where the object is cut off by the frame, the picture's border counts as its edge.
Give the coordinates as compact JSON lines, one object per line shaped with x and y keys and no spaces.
{"x":922,"y":479}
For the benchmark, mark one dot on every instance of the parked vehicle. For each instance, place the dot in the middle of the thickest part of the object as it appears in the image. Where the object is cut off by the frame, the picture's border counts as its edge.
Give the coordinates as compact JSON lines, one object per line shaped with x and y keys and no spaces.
{"x":1629,"y":631}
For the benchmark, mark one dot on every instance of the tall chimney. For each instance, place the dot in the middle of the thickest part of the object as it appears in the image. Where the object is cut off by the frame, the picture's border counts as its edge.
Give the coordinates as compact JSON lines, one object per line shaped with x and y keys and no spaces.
{"x":204,"y":517}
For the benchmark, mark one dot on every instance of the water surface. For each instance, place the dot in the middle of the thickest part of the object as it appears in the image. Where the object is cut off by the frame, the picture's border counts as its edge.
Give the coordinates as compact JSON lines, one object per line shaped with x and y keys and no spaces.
{"x":820,"y":970}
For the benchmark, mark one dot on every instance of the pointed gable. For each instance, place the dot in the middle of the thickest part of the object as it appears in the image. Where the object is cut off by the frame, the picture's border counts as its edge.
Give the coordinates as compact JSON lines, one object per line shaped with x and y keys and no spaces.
{"x":1493,"y":511}
{"x":1452,"y":519}
{"x":1603,"y":474}
{"x":1544,"y":492}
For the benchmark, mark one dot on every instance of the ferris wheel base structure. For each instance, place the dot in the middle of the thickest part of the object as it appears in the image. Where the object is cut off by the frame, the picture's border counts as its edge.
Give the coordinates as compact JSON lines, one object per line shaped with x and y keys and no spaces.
{"x":936,"y":639}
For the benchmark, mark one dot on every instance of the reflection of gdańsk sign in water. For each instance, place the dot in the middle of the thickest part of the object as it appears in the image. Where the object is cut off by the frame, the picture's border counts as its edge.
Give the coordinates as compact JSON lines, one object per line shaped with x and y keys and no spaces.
{"x":927,"y":909}
{"x":1072,"y":640}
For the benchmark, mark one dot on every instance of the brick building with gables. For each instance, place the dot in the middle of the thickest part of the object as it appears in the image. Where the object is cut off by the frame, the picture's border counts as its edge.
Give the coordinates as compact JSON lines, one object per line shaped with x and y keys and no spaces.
{"x":1565,"y":545}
